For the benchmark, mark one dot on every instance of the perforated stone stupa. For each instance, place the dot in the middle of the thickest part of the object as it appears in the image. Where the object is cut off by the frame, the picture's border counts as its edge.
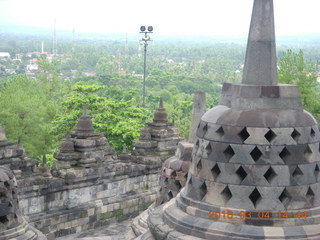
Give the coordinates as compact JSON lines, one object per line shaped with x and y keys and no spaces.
{"x":12,"y":224}
{"x":174,"y":173}
{"x":255,"y":167}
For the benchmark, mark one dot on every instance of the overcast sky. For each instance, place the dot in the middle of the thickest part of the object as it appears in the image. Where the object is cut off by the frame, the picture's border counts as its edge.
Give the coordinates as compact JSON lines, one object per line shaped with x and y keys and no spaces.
{"x":168,"y":17}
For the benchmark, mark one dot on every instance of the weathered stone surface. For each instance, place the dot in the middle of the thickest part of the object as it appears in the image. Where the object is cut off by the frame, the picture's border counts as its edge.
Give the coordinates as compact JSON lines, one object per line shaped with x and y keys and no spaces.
{"x":13,"y":155}
{"x":12,"y":224}
{"x":257,"y":153}
{"x":159,"y":139}
{"x":85,"y":150}
{"x":67,"y":146}
{"x":160,"y":115}
{"x":199,"y":108}
{"x":261,"y":62}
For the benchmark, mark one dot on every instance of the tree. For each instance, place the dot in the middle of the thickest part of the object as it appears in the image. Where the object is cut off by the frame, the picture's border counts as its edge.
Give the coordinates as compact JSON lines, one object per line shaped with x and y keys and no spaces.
{"x":26,"y":112}
{"x":295,"y":69}
{"x":120,"y":120}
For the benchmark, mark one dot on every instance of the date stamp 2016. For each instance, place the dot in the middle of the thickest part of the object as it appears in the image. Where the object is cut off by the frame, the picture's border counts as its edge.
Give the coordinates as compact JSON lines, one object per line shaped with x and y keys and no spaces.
{"x":256,"y":215}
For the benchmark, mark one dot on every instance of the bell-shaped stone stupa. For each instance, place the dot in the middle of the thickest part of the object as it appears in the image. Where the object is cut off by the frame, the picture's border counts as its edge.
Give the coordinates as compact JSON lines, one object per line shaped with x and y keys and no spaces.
{"x":255,"y":166}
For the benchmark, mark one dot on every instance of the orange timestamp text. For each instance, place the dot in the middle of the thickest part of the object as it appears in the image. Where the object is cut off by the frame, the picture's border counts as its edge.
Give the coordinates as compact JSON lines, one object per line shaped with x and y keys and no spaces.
{"x":256,"y":215}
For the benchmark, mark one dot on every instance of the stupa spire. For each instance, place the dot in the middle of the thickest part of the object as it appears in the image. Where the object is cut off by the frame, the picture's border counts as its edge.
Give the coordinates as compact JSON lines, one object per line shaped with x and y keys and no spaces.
{"x":84,"y":111}
{"x":261,"y":63}
{"x":161,"y":103}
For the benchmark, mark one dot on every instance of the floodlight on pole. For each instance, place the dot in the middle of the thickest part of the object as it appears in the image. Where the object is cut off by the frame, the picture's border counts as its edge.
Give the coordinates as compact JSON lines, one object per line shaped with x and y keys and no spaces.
{"x":142,"y":28}
{"x":144,"y":41}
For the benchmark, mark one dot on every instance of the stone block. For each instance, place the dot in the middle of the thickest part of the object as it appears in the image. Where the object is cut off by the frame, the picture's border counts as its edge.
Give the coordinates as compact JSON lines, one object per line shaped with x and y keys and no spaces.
{"x":84,"y":143}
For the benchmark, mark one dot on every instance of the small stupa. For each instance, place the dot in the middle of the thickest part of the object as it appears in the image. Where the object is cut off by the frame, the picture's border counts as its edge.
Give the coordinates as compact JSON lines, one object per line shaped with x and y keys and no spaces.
{"x":158,"y":140}
{"x":14,"y":156}
{"x":84,"y":147}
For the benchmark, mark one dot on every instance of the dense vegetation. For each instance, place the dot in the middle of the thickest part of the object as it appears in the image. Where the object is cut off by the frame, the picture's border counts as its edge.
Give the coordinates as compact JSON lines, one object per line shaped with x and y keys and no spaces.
{"x":43,"y":109}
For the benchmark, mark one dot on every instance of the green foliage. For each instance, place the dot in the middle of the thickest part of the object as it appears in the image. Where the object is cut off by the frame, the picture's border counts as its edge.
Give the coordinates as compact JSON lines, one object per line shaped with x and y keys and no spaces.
{"x":42,"y":111}
{"x":295,"y":69}
{"x":119,"y":120}
{"x":26,"y":111}
{"x":50,"y":159}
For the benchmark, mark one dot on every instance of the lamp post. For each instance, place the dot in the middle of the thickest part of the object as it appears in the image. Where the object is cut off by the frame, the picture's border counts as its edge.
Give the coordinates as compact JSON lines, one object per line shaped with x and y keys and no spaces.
{"x":145,"y":39}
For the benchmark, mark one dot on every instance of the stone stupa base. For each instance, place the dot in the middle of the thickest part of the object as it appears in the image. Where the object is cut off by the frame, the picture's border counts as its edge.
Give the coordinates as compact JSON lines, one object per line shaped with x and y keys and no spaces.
{"x":170,"y":222}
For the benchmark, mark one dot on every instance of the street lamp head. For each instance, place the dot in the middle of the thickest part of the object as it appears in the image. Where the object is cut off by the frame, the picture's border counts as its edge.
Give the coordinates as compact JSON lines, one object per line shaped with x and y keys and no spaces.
{"x":142,"y":28}
{"x":150,"y":28}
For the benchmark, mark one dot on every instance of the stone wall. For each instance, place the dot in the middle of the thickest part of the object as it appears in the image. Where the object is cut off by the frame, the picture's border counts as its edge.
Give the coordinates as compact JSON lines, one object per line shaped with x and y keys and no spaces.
{"x":85,"y":200}
{"x":89,"y":185}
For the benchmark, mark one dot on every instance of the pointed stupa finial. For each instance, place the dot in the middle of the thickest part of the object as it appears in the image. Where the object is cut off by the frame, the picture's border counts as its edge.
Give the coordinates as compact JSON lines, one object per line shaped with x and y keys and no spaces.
{"x":160,"y":115}
{"x":2,"y":134}
{"x":161,"y":103}
{"x":19,"y":141}
{"x":84,"y":126}
{"x":84,"y":111}
{"x":261,"y":63}
{"x":44,"y":160}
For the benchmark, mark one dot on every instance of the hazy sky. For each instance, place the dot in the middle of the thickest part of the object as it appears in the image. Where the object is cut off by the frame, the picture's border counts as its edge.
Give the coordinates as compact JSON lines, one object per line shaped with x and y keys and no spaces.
{"x":168,"y":17}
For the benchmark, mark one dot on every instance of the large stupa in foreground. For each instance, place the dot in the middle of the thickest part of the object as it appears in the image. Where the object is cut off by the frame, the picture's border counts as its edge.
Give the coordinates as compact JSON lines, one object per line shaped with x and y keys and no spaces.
{"x":255,"y":164}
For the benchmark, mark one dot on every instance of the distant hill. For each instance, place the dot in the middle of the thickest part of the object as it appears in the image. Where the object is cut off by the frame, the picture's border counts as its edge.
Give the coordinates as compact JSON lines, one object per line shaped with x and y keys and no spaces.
{"x":66,"y":35}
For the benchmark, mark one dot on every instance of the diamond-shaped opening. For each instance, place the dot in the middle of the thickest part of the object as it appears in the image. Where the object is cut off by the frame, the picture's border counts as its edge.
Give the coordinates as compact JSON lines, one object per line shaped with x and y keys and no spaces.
{"x":310,"y":195}
{"x":255,"y":197}
{"x":295,"y":135}
{"x":297,"y":172}
{"x":244,"y":134}
{"x":228,"y":153}
{"x":170,"y":195}
{"x":270,"y":136}
{"x":10,"y":204}
{"x":226,"y":194}
{"x":284,"y":154}
{"x":166,"y":180}
{"x":203,"y":190}
{"x":209,"y":149}
{"x":284,"y":197}
{"x":307,"y":152}
{"x":174,"y":174}
{"x":2,"y":195}
{"x":199,"y":165}
{"x":316,"y":170}
{"x":242,"y":174}
{"x":220,"y":132}
{"x":6,"y":183}
{"x":215,"y":171}
{"x":205,"y":129}
{"x":178,"y":184}
{"x":270,"y":175}
{"x":196,"y":147}
{"x":4,"y":219}
{"x":256,"y":154}
{"x":312,"y":133}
